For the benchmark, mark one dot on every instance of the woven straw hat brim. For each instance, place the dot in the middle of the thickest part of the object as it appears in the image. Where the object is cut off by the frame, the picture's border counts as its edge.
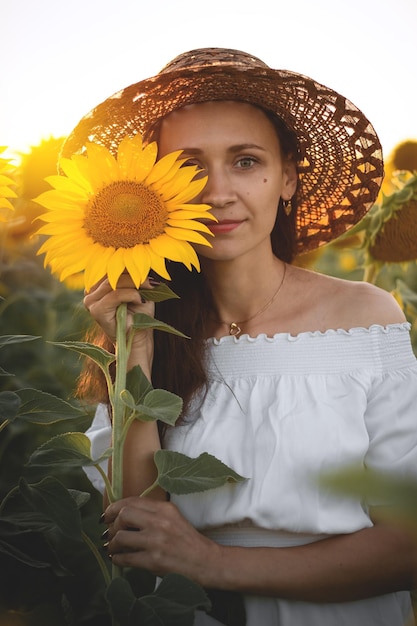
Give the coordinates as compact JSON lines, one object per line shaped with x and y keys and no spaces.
{"x":341,"y":167}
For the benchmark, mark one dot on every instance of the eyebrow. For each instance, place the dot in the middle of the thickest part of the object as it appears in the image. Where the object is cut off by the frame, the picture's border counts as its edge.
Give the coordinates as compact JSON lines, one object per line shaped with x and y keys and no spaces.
{"x":237,"y":148}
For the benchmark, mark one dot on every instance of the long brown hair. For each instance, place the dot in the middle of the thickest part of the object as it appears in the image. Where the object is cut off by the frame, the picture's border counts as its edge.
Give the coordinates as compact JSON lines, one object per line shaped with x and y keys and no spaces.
{"x":178,"y":364}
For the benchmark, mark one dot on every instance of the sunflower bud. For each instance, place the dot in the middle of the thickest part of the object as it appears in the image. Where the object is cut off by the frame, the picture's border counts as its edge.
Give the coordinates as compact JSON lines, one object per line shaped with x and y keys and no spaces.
{"x":391,"y":227}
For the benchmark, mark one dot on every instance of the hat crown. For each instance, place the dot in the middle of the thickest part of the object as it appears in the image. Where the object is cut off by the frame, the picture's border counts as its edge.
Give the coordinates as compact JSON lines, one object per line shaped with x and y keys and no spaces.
{"x":209,"y":57}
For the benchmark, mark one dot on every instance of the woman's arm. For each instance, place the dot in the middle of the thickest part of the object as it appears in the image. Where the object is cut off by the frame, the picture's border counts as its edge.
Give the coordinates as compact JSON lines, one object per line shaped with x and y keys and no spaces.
{"x":370,"y":562}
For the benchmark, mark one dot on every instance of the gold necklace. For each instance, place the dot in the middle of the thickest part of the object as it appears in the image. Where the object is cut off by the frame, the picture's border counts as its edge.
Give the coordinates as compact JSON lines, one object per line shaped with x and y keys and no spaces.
{"x":235,"y":327}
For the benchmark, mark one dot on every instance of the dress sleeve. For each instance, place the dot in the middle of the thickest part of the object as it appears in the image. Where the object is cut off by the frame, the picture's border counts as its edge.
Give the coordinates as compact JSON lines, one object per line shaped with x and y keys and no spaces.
{"x":99,"y":434}
{"x":391,"y":415}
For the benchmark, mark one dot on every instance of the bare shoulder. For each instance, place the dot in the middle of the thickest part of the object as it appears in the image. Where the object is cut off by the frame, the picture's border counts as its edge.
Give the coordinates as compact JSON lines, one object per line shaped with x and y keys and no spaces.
{"x":347,"y":304}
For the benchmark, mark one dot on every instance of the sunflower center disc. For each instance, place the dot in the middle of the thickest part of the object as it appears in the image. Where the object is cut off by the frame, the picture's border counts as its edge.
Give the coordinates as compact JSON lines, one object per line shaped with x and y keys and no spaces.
{"x":124,"y":214}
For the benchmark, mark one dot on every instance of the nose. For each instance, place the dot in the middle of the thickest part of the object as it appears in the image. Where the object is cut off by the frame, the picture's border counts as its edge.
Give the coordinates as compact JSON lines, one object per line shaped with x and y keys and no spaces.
{"x":218,"y":191}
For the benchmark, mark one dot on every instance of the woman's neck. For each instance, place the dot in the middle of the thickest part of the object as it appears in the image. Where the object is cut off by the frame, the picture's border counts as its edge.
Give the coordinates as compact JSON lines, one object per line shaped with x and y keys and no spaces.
{"x":241,"y":294}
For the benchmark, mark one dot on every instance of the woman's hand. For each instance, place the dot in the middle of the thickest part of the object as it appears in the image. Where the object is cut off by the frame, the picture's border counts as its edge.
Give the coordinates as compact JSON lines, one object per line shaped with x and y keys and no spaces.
{"x":154,"y":535}
{"x":102,"y":302}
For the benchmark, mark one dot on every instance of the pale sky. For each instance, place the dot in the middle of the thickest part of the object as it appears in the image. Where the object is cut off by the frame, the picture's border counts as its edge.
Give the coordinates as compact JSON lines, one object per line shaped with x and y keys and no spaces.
{"x":60,"y":59}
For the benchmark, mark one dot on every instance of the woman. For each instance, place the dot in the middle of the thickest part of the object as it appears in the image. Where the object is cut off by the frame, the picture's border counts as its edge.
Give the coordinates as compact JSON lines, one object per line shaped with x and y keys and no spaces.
{"x":289,"y":374}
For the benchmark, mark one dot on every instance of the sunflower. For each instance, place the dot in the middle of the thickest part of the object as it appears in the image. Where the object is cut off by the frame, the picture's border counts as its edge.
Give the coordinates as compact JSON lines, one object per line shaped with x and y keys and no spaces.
{"x":107,"y":215}
{"x":391,"y":234}
{"x":5,"y":182}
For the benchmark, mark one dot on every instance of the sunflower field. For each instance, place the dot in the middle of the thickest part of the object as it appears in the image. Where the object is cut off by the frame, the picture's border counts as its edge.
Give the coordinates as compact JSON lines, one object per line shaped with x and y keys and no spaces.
{"x":53,"y":570}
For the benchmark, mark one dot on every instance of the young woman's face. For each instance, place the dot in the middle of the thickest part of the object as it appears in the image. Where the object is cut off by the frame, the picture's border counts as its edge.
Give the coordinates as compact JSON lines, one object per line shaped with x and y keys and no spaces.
{"x":237,"y":147}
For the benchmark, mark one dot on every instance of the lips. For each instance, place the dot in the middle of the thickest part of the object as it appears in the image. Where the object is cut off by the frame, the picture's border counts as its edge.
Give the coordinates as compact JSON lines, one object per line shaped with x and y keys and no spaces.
{"x":223,"y":226}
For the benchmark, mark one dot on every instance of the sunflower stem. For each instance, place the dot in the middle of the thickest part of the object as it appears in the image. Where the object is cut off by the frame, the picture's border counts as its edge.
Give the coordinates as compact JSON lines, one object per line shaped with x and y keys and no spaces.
{"x":118,"y":410}
{"x":370,"y":273}
{"x":97,"y":556}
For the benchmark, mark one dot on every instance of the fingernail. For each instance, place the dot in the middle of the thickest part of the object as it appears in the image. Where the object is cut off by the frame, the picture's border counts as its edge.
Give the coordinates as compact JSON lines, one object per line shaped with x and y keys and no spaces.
{"x":105,"y":534}
{"x":153,"y":282}
{"x":101,"y":520}
{"x":106,"y":545}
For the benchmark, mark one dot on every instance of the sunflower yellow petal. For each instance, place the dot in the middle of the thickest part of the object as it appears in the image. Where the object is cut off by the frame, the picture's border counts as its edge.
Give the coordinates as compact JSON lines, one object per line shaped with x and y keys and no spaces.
{"x":182,"y":183}
{"x":162,"y":167}
{"x":187,"y":235}
{"x":5,"y":204}
{"x":6,"y":180}
{"x":49,"y":229}
{"x":126,"y":153}
{"x":96,"y":268}
{"x":135,"y":162}
{"x":189,"y":206}
{"x":61,"y":249}
{"x":192,"y":191}
{"x":192,"y":214}
{"x":57,"y":201}
{"x":76,"y":169}
{"x":190,"y":224}
{"x":63,"y":183}
{"x":175,"y":250}
{"x":170,"y":174}
{"x":103,"y":168}
{"x":7,"y":193}
{"x":116,"y":268}
{"x":138,"y":264}
{"x":158,"y":263}
{"x":57,"y":244}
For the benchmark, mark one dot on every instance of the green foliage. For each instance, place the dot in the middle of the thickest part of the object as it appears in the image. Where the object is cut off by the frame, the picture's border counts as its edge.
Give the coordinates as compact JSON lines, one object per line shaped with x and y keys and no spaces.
{"x":397,"y":494}
{"x":143,"y":322}
{"x":172,"y":604}
{"x":37,"y":305}
{"x":44,"y":521}
{"x":179,"y":474}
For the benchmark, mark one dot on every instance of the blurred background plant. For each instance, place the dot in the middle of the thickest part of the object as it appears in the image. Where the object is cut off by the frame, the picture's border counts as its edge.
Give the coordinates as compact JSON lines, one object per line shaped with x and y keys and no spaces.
{"x":33,"y":302}
{"x":382,"y":249}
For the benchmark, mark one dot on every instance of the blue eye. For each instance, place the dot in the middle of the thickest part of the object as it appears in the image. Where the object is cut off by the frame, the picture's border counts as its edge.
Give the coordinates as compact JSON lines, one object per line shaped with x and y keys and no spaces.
{"x":246,"y":162}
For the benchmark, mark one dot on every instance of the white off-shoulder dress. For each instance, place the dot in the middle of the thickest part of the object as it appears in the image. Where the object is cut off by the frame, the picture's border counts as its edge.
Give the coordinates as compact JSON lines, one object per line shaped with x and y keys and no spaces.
{"x":283,"y":411}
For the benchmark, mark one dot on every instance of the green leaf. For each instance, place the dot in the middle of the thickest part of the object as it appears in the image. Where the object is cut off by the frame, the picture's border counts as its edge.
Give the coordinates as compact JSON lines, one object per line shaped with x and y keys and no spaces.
{"x":102,"y":357}
{"x":141,"y":321}
{"x":184,"y":591}
{"x":9,"y":405}
{"x":68,"y":450}
{"x":16,"y":522}
{"x":172,"y":604}
{"x":377,"y":488}
{"x":6,"y":340}
{"x":50,"y":498}
{"x":163,"y":405}
{"x":38,"y":407}
{"x":80,"y":497}
{"x":181,"y":474}
{"x":28,"y":546}
{"x":158,"y":404}
{"x":158,"y":294}
{"x":121,"y":599}
{"x":137,"y":384}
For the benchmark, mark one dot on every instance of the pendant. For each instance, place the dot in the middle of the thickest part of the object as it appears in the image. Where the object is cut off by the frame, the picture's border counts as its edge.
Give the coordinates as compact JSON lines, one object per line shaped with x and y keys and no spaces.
{"x":234,"y":329}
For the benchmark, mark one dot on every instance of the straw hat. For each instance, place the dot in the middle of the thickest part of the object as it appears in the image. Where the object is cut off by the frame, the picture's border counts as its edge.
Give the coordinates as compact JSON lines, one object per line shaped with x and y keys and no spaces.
{"x":340,"y":158}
